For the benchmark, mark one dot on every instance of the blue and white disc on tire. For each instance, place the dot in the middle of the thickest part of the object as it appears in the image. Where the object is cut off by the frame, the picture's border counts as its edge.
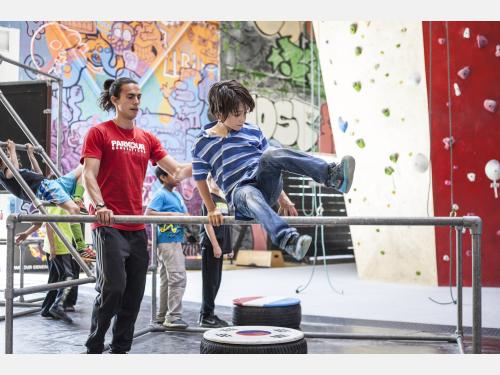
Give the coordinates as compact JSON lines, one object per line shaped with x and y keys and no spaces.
{"x":253,"y":340}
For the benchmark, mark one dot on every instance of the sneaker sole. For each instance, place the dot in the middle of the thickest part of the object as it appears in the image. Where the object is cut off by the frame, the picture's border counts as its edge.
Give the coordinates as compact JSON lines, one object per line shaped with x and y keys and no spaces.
{"x":175,"y":326}
{"x":349,"y":164}
{"x":304,"y":246}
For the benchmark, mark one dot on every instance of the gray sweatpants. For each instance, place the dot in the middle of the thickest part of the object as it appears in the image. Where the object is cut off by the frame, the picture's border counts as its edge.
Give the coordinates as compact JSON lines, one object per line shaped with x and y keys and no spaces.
{"x":172,"y":266}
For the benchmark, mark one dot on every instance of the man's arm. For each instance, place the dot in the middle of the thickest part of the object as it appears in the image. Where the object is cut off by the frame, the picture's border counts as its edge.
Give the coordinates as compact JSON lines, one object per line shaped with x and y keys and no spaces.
{"x":11,"y":146}
{"x":52,"y":243}
{"x":31,"y":155}
{"x":89,"y":178}
{"x":178,"y":170}
{"x":213,"y":240}
{"x":287,"y":207}
{"x":214,"y":216}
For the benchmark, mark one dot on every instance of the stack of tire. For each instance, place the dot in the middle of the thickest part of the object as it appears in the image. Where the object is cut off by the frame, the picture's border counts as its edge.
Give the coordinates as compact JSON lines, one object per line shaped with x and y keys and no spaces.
{"x":262,"y":325}
{"x":267,"y":311}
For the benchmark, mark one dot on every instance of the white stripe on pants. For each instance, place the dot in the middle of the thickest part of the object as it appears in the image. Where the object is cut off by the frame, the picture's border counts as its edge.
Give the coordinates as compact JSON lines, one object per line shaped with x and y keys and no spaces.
{"x":172,"y":266}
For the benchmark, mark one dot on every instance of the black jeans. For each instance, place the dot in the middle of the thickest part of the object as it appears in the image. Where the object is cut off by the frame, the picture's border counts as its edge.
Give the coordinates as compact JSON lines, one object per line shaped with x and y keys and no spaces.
{"x":211,"y":274}
{"x":73,"y":293}
{"x":121,"y":265}
{"x":60,"y":269}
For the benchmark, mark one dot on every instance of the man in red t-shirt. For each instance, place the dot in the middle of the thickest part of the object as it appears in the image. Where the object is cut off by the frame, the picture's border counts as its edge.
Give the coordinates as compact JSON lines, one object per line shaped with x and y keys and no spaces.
{"x":115,"y":157}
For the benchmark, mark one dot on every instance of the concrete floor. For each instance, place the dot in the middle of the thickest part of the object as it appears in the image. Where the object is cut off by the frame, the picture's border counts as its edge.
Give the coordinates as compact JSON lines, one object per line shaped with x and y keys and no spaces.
{"x":364,"y":307}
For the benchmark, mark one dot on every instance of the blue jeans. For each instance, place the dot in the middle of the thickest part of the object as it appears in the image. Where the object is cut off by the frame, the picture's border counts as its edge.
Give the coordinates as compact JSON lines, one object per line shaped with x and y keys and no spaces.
{"x":253,"y":200}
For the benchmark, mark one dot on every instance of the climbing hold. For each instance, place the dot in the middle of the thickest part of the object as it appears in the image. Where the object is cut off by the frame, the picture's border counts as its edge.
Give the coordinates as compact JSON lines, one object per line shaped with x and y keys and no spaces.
{"x":404,"y":29}
{"x":394,"y":157}
{"x":398,"y":45}
{"x":446,"y":258}
{"x":353,"y":28}
{"x":497,"y":50}
{"x":490,"y":105}
{"x":342,"y":125}
{"x":360,"y":142}
{"x":441,"y":41}
{"x":420,"y":162}
{"x":389,"y":170}
{"x":498,"y":232}
{"x":457,"y":89}
{"x":464,"y":72}
{"x":386,"y":112}
{"x":481,"y":41}
{"x":377,"y":66}
{"x":448,"y":142}
{"x":382,"y":252}
{"x":358,"y":50}
{"x":471,"y":176}
{"x":357,"y":86}
{"x":455,"y":167}
{"x":467,"y":33}
{"x":415,"y":78}
{"x":447,"y":183}
{"x":418,"y":273}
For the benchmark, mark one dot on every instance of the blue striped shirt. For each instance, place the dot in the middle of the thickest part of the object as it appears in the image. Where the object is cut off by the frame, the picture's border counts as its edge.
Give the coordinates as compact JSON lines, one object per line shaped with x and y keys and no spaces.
{"x":232,"y":160}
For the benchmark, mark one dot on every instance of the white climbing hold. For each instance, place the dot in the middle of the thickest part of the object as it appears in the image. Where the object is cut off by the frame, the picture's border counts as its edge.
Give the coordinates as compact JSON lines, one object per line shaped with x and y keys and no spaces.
{"x":464,"y":72}
{"x":420,"y":163}
{"x":497,"y":50}
{"x":441,"y":41}
{"x":471,"y":176}
{"x":490,"y":105}
{"x":481,"y":41}
{"x":446,"y":258}
{"x":467,"y":33}
{"x":415,"y":78}
{"x":457,"y":89}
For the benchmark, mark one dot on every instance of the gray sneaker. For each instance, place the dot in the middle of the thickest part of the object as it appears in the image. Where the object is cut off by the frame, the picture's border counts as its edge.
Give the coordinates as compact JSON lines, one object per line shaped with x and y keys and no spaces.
{"x":178,"y":323}
{"x":342,"y":174}
{"x":298,"y":246}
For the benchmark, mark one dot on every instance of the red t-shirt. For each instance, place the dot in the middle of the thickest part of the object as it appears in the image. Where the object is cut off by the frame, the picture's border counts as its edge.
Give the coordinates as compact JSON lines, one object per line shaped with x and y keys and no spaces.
{"x":124,"y":156}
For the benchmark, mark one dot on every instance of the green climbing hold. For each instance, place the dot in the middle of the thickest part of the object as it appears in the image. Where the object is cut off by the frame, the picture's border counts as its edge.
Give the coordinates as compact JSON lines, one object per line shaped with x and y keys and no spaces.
{"x":357,"y":86}
{"x":360,"y":142}
{"x":389,"y":170}
{"x":382,"y":252}
{"x":418,"y":273}
{"x":394,"y":157}
{"x":353,"y":28}
{"x":358,"y":51}
{"x":377,"y":66}
{"x":398,"y":45}
{"x":386,"y":112}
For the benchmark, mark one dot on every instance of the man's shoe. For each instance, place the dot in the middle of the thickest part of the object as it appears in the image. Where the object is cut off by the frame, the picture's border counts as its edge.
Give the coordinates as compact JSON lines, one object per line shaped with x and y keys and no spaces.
{"x":178,"y":323}
{"x":69,"y":308}
{"x":211,"y":322}
{"x":87,"y":254}
{"x":223,"y":323}
{"x":59,"y":313}
{"x":340,"y":175}
{"x":297,"y":247}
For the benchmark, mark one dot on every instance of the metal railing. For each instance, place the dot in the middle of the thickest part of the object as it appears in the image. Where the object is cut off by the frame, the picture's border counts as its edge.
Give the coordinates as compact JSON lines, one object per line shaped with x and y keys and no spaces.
{"x":473,"y":223}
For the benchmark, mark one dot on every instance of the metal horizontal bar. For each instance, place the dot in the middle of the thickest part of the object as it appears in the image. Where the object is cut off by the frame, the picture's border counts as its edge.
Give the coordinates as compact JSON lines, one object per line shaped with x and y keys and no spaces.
{"x":46,"y":287}
{"x":362,"y":336}
{"x":467,"y":221}
{"x":22,"y":313}
{"x":20,"y":147}
{"x":24,"y":66}
{"x":22,"y":304}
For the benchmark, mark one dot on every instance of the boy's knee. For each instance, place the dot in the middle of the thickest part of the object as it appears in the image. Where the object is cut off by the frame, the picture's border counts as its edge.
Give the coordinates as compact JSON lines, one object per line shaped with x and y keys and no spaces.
{"x":268,"y":155}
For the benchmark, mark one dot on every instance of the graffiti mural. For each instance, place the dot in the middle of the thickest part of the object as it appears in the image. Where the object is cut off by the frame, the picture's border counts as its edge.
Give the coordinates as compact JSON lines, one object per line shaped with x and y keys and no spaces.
{"x":174,"y":63}
{"x":278,"y":62}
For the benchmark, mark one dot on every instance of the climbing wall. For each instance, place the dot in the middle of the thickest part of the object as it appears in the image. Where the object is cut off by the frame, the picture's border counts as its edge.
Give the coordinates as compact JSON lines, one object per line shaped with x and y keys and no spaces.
{"x":463,"y":79}
{"x":374,"y":78}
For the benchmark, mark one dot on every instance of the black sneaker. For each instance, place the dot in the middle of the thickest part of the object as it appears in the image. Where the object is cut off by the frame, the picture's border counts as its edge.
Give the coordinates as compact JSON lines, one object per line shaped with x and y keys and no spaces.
{"x":340,"y":175}
{"x":58,"y":313}
{"x":297,"y":247}
{"x":69,"y":308}
{"x":212,"y":322}
{"x":223,"y":323}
